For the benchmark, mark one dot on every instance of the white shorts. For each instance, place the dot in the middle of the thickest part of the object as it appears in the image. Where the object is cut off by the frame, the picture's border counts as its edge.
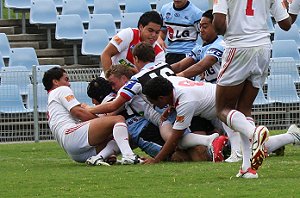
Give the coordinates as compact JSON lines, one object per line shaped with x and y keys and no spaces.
{"x":240,"y":64}
{"x":75,"y":142}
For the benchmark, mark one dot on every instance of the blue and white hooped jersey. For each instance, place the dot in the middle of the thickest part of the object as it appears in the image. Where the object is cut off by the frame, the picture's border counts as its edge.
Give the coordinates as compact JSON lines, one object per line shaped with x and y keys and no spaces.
{"x":182,"y":27}
{"x":216,"y":49}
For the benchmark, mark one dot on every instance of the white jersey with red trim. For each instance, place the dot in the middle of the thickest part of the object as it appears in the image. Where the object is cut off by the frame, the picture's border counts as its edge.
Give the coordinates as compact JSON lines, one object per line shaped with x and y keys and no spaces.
{"x":294,"y":6}
{"x":247,"y":20}
{"x":60,"y":101}
{"x":192,"y":98}
{"x":125,"y":40}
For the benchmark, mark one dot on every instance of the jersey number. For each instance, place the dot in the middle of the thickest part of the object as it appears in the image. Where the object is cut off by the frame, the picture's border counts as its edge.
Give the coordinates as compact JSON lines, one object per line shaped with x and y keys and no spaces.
{"x":249,"y":9}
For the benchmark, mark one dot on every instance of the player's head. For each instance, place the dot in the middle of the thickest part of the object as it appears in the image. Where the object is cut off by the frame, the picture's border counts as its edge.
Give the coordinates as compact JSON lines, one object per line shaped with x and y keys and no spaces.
{"x":159,"y":91}
{"x":180,"y":3}
{"x":207,"y":31}
{"x":98,"y":89}
{"x":118,"y":75}
{"x":149,"y":25}
{"x":55,"y":77}
{"x":143,"y":52}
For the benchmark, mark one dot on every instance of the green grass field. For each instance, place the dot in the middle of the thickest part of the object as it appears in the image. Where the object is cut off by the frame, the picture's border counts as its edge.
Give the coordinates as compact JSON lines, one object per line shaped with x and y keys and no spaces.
{"x":44,"y":170}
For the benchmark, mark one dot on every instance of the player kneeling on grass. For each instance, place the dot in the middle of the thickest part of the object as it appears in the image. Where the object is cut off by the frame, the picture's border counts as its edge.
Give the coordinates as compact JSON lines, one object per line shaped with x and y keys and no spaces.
{"x":80,"y":133}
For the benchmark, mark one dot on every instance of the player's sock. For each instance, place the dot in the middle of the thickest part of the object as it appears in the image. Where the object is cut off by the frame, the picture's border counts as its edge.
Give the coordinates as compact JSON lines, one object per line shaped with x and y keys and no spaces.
{"x":192,"y":139}
{"x":234,"y":138}
{"x":110,"y":149}
{"x":278,"y":141}
{"x":238,"y":122}
{"x":246,"y":150}
{"x":120,"y":134}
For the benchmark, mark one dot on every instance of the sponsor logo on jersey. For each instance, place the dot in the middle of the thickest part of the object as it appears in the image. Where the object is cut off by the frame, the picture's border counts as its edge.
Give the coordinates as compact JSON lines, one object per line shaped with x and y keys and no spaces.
{"x":118,"y":40}
{"x":69,"y":97}
{"x":177,"y":14}
{"x":168,"y":15}
{"x":180,"y":119}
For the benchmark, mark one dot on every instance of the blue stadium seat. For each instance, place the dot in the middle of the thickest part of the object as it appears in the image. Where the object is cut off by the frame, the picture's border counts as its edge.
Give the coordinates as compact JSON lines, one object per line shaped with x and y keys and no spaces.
{"x":11,"y":100}
{"x":285,"y":48}
{"x":44,"y":13}
{"x":291,"y":34}
{"x":79,"y":88}
{"x":130,"y":20}
{"x":281,"y":89}
{"x":108,"y":7}
{"x":25,"y":56}
{"x":284,"y":66}
{"x":4,"y":45}
{"x":76,"y":7}
{"x":18,"y":75}
{"x":69,"y":27}
{"x":260,"y":98}
{"x":42,"y":98}
{"x":94,"y":41}
{"x":22,"y":6}
{"x":103,"y":21}
{"x":1,"y":61}
{"x":137,"y":6}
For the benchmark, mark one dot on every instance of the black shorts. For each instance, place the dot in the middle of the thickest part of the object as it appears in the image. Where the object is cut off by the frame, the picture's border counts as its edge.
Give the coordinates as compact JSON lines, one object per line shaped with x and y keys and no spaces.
{"x":151,"y":133}
{"x":201,"y":124}
{"x":174,"y":58}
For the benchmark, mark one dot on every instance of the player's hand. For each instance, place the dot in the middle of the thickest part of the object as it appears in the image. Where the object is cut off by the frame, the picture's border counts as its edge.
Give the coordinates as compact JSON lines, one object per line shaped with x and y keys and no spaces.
{"x":162,"y":43}
{"x":149,"y":161}
{"x":84,"y":105}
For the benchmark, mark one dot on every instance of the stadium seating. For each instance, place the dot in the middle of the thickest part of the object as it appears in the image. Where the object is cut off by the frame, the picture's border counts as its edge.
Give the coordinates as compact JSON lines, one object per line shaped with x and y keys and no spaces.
{"x":69,"y":27}
{"x":76,"y":7}
{"x":79,"y":88}
{"x":137,"y":6}
{"x":281,"y":89}
{"x":11,"y":100}
{"x":260,"y":99}
{"x":130,"y":20}
{"x":94,"y":41}
{"x":286,"y":66}
{"x":291,"y":34}
{"x":25,"y":56}
{"x":42,"y":98}
{"x":285,"y":48}
{"x":108,"y":7}
{"x":22,"y":6}
{"x":44,"y":13}
{"x":1,"y":61}
{"x":18,"y":75}
{"x":4,"y":45}
{"x":103,"y":21}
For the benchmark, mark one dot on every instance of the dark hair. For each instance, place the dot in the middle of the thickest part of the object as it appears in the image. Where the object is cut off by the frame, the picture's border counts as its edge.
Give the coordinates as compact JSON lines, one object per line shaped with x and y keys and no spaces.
{"x":158,"y":86}
{"x":119,"y":70}
{"x":144,"y":51}
{"x":54,"y":73}
{"x":98,"y":89}
{"x":150,"y":16}
{"x":208,"y":14}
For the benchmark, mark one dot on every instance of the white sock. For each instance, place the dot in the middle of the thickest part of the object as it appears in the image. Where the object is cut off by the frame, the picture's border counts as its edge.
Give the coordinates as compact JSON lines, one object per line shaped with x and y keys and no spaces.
{"x":192,"y":139}
{"x":120,"y":134}
{"x":246,"y":150}
{"x":110,"y":149}
{"x":238,"y":122}
{"x":234,"y":138}
{"x":277,"y":141}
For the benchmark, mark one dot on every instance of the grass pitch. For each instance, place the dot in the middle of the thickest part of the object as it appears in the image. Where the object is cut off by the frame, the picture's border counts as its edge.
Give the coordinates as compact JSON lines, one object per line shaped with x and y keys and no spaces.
{"x":44,"y":170}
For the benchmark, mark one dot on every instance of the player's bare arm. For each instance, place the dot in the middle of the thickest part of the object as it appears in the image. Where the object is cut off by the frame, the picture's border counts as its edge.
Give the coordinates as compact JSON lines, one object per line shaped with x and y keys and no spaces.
{"x":109,"y":51}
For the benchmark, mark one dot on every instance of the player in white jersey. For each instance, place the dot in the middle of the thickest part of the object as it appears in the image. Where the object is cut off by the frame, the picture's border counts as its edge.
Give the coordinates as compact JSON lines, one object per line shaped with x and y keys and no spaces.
{"x":244,"y":69}
{"x":119,"y":49}
{"x":205,"y":59}
{"x":181,"y":20}
{"x":80,"y":133}
{"x":294,"y":9}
